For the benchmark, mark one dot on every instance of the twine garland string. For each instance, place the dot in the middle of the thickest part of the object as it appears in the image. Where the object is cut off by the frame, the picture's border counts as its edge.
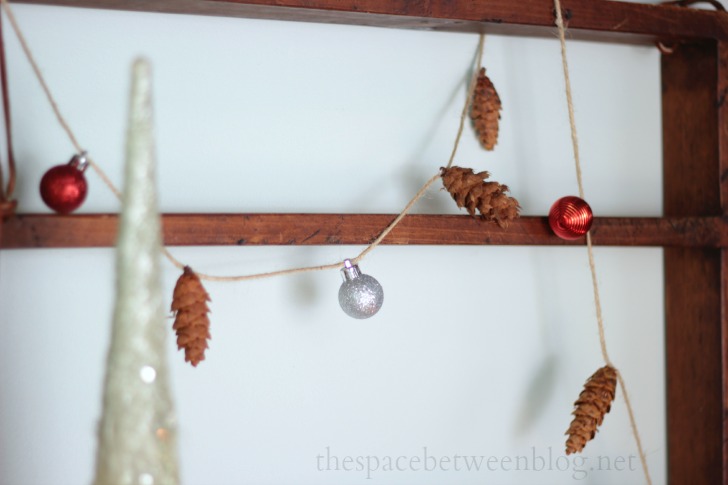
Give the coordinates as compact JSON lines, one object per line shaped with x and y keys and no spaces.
{"x":468,"y":99}
{"x":7,"y":203}
{"x":107,"y":181}
{"x":7,"y":191}
{"x":590,"y":252}
{"x":51,"y":100}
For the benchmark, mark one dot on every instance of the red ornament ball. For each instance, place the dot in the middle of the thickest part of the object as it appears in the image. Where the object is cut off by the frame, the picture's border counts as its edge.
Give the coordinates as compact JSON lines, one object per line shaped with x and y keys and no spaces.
{"x":63,"y":188}
{"x":570,"y":217}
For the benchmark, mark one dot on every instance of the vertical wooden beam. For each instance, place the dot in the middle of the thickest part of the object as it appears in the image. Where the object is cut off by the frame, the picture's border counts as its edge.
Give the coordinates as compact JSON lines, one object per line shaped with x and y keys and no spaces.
{"x":694,"y":142}
{"x":722,"y":133}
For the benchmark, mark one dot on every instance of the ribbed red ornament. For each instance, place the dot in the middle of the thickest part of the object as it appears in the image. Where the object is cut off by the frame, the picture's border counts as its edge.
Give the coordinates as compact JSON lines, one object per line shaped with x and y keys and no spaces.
{"x":570,"y":217}
{"x":63,"y":188}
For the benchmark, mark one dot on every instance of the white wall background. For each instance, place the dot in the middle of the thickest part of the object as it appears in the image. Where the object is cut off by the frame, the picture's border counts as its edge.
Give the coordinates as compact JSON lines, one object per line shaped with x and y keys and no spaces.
{"x":477,"y":351}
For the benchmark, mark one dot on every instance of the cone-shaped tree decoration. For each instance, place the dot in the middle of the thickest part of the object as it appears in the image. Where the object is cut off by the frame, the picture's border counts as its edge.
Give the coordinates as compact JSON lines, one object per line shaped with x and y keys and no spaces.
{"x":137,"y":442}
{"x":593,"y":403}
{"x":485,"y":111}
{"x":470,"y":190}
{"x":191,"y":322}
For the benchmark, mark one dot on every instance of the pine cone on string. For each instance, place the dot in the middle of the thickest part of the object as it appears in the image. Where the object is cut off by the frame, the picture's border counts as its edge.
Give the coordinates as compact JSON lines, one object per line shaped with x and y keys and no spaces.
{"x":189,"y":303}
{"x":485,"y":111}
{"x":470,"y":190}
{"x":593,"y":403}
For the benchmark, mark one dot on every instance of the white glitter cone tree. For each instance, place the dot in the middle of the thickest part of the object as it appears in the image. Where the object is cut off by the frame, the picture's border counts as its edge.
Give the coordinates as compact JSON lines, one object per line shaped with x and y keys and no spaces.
{"x":137,"y":442}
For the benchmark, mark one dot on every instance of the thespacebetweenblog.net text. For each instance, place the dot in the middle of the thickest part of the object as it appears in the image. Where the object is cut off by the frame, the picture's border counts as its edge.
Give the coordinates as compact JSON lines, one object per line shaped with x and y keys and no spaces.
{"x":577,"y":467}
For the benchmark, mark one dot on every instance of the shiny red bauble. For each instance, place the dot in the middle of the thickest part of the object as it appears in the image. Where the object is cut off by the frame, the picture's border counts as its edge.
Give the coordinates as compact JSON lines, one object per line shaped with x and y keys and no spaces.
{"x":570,"y":217}
{"x":63,"y":188}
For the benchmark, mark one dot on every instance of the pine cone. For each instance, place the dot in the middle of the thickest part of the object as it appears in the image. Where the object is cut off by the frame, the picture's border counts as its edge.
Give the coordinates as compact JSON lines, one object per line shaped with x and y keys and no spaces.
{"x":593,"y":403}
{"x":472,"y":192}
{"x":485,"y":111}
{"x":191,"y":323}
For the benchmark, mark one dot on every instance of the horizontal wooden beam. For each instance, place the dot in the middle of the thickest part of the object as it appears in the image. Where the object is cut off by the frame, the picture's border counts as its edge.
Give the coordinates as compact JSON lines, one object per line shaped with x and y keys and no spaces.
{"x":587,"y":19}
{"x":99,"y":230}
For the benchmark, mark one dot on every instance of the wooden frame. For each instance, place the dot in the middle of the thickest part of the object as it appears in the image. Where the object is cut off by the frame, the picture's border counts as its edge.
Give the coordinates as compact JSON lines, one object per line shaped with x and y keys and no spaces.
{"x":694,"y":229}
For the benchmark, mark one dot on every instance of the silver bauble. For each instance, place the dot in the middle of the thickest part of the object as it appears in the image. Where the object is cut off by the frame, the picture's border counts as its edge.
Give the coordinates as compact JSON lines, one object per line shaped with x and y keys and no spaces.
{"x":360,"y":295}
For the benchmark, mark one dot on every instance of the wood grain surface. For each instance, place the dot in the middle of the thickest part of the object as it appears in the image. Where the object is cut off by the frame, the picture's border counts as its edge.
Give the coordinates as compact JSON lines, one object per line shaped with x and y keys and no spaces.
{"x":587,"y":19}
{"x":99,"y":230}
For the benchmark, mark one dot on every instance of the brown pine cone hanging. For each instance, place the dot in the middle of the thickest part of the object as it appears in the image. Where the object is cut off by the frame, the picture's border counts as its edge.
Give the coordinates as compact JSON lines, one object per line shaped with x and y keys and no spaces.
{"x":191,"y":323}
{"x":470,"y":190}
{"x":593,"y":403}
{"x":485,"y":111}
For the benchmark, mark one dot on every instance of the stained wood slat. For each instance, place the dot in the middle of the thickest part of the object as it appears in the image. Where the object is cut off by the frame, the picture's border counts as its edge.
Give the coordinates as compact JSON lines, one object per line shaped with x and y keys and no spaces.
{"x":723,"y":289}
{"x":590,"y":19}
{"x":694,"y":283}
{"x":99,"y":230}
{"x":722,"y":142}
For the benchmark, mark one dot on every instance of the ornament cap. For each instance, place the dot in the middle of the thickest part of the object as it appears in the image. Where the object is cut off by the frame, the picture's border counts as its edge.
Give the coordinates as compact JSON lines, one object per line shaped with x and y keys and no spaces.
{"x":350,"y":271}
{"x":80,"y":161}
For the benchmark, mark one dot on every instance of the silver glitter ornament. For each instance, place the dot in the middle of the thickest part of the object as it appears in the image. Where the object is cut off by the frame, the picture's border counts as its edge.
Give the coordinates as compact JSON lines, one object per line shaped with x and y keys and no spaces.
{"x":360,"y":295}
